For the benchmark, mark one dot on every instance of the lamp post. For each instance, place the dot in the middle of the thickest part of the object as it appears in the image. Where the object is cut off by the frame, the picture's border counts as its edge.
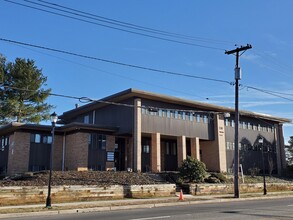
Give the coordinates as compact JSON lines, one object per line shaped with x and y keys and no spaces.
{"x":54,"y":118}
{"x":260,"y":141}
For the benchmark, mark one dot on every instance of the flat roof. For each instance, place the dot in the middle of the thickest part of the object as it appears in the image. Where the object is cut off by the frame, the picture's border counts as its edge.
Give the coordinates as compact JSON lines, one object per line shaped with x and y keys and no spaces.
{"x":131,"y":93}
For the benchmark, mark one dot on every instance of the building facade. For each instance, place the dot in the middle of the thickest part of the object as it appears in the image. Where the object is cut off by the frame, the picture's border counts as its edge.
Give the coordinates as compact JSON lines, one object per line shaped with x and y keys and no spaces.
{"x":142,"y":131}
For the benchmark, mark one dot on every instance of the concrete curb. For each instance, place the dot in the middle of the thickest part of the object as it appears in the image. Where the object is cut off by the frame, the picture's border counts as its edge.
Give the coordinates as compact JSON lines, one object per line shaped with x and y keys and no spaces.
{"x":212,"y":199}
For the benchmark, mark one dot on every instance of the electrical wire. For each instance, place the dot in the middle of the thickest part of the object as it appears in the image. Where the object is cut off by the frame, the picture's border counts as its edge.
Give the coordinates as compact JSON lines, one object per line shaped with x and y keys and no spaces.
{"x":114,"y":62}
{"x":120,"y":29}
{"x":269,"y":92}
{"x":88,"y":100}
{"x":137,"y":27}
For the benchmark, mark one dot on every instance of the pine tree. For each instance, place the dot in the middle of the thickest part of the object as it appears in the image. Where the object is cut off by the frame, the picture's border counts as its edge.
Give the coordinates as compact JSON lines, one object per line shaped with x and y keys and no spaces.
{"x":22,"y":94}
{"x":289,"y":151}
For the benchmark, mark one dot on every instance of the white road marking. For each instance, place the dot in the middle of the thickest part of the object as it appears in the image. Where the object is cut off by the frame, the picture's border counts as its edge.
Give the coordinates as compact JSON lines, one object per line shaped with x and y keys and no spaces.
{"x":290,"y":205}
{"x":158,"y":217}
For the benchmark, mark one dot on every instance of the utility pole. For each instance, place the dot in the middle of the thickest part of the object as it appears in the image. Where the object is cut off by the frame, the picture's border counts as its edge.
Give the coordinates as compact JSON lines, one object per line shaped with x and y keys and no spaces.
{"x":236,"y":145}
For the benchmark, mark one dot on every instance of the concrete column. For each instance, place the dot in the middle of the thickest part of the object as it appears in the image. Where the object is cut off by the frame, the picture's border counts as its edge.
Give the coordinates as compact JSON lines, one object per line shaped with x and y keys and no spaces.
{"x":194,"y":145}
{"x":214,"y":152}
{"x":181,"y":150}
{"x":156,"y":152}
{"x":137,"y":136}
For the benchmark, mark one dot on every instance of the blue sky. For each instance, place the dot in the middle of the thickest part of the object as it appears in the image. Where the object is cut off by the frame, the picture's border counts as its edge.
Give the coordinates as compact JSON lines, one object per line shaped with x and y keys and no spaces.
{"x":265,"y":24}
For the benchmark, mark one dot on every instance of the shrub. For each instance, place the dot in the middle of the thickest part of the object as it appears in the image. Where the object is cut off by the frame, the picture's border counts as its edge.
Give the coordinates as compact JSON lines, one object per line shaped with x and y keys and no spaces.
{"x":220,"y":176}
{"x":254,"y":171}
{"x":212,"y":179}
{"x":192,"y":170}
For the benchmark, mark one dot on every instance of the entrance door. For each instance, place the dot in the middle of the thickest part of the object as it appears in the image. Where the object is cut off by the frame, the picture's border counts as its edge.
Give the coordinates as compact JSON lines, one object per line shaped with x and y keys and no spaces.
{"x":97,"y":152}
{"x":170,"y":156}
{"x":145,"y":154}
{"x":119,"y":155}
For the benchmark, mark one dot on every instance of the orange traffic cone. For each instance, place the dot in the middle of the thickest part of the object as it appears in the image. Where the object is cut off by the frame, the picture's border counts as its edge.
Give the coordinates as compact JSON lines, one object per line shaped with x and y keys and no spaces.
{"x":181,"y":195}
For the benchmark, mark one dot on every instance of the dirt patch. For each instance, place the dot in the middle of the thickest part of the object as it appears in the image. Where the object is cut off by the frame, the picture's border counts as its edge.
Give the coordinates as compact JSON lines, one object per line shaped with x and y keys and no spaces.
{"x":99,"y":178}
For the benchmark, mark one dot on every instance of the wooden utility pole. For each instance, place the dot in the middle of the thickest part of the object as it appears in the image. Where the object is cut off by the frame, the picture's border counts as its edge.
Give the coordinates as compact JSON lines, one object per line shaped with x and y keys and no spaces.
{"x":236,"y":143}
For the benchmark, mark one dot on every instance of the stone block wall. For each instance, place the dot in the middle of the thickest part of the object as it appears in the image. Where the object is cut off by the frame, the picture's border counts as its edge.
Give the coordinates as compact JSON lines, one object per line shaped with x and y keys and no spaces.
{"x":209,"y":189}
{"x":33,"y":195}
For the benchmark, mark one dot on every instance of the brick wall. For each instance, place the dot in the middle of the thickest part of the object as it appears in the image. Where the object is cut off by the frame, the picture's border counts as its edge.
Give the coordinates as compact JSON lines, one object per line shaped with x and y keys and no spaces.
{"x":110,"y":146}
{"x":19,"y":151}
{"x":76,"y":152}
{"x":58,"y":152}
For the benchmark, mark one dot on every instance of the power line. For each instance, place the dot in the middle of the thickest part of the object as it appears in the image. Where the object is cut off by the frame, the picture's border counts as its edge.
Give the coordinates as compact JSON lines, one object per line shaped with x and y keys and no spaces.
{"x":114,"y":62}
{"x":116,"y":74}
{"x":276,"y":94}
{"x":88,"y":100}
{"x":116,"y":28}
{"x":138,"y":27}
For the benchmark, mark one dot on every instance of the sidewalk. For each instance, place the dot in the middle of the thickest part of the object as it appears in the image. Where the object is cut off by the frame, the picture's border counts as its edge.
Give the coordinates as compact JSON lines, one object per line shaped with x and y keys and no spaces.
{"x":110,"y":205}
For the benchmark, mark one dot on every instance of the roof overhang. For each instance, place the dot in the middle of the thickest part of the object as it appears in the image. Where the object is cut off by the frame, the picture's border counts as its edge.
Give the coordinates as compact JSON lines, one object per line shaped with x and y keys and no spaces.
{"x":133,"y":93}
{"x":72,"y":127}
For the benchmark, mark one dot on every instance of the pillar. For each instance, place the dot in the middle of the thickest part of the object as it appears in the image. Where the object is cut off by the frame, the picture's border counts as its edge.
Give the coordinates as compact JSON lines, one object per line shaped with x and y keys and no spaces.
{"x":156,"y":152}
{"x":194,"y":145}
{"x":137,"y":136}
{"x":181,"y":150}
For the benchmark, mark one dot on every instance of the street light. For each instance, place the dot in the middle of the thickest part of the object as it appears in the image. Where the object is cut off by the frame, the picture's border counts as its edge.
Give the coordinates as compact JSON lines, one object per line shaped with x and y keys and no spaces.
{"x":260,"y":141}
{"x":54,"y":118}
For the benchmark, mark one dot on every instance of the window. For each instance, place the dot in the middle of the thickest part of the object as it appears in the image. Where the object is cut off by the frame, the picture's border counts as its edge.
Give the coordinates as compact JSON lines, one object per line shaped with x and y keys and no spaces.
{"x":226,"y":122}
{"x":160,"y":113}
{"x":49,"y":140}
{"x":198,"y":118}
{"x":258,"y":127}
{"x":176,"y":114}
{"x":232,"y":123}
{"x":205,"y":119}
{"x":183,"y":115}
{"x":143,"y":110}
{"x":167,"y":148}
{"x":102,"y":141}
{"x":249,"y":126}
{"x":244,"y":125}
{"x":190,"y":116}
{"x":146,"y":149}
{"x":229,"y":146}
{"x":168,"y":114}
{"x":37,"y":138}
{"x":86,"y":119}
{"x":240,"y":124}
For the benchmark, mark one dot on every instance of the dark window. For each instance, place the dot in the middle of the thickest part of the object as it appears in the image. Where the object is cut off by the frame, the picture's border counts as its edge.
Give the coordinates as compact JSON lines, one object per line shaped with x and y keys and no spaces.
{"x":146,"y":149}
{"x":102,"y":141}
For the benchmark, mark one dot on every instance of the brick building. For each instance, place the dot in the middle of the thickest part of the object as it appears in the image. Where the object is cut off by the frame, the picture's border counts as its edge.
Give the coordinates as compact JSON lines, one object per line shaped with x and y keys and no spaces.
{"x":144,"y":132}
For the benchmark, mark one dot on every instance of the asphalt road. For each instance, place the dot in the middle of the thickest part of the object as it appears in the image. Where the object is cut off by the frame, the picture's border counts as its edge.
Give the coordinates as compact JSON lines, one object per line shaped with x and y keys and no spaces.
{"x":261,"y":209}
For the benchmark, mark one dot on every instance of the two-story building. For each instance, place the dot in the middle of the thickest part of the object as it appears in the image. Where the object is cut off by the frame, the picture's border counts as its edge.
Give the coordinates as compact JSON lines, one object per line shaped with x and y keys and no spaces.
{"x":144,"y":131}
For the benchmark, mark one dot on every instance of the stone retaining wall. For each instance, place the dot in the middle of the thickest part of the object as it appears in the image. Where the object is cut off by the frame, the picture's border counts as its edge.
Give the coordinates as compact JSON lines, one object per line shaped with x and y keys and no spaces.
{"x":32,"y":195}
{"x":208,"y":189}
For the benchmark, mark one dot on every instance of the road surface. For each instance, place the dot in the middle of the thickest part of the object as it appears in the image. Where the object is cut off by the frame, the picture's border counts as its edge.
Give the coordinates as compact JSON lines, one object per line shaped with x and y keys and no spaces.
{"x":248,"y":210}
